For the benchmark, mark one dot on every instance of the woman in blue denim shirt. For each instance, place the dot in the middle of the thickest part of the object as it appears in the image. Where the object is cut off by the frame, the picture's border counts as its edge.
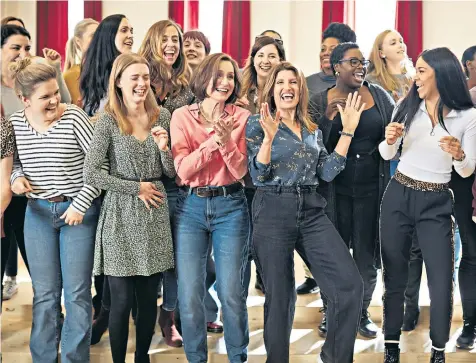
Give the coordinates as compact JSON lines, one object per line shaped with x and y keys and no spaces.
{"x":286,"y":154}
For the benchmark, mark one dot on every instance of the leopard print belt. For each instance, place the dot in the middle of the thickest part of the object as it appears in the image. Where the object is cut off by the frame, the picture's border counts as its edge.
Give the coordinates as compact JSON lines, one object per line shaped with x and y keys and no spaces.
{"x":420,"y":185}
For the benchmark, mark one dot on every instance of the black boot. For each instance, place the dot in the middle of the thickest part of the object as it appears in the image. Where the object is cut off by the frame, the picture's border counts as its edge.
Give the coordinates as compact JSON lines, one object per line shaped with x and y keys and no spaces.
{"x":259,"y":283}
{"x":467,"y":337}
{"x":322,"y":327}
{"x":392,"y":355}
{"x":367,"y":328}
{"x":100,"y":326}
{"x":307,"y":287}
{"x":437,"y":356}
{"x":410,"y":319}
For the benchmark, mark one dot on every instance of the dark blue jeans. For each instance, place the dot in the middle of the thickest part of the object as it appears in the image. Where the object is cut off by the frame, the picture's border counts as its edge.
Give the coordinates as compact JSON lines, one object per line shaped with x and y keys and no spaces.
{"x":60,"y":257}
{"x":287,"y":219}
{"x":223,"y":221}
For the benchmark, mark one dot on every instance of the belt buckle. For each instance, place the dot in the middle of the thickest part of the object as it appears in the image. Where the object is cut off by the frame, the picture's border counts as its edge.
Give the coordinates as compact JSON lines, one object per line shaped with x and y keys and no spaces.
{"x":198,"y":192}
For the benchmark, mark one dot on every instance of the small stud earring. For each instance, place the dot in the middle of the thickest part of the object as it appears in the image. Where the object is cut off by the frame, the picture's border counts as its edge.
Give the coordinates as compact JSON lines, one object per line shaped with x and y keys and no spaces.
{"x":337,"y":74}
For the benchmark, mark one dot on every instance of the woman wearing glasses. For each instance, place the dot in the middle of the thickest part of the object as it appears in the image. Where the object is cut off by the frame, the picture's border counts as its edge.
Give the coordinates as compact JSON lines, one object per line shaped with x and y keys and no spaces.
{"x":355,"y":194}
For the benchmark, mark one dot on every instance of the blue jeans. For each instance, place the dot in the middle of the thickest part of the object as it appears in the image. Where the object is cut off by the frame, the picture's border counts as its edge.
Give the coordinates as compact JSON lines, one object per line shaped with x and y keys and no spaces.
{"x":60,"y":257}
{"x":224,"y":221}
{"x":169,"y":277}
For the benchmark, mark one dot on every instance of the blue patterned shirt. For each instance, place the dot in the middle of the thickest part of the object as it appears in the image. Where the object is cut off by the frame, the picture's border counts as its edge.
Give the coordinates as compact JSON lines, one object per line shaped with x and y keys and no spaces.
{"x":293,"y":162}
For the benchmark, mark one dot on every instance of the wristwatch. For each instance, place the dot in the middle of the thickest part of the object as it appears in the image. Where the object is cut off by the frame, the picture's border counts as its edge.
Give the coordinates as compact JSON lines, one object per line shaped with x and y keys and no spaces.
{"x":462,"y":157}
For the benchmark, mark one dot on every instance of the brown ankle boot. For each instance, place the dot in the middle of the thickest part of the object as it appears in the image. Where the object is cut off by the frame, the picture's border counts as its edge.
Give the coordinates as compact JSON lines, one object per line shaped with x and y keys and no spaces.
{"x":167,"y":325}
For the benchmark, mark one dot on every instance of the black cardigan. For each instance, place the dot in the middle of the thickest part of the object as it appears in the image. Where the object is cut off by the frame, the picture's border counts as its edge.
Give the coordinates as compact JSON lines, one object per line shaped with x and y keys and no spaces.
{"x":317,"y":108}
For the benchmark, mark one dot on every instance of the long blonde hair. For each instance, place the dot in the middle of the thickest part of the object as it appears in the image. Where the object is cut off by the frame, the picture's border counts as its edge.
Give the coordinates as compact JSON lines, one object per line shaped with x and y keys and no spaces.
{"x":378,"y":66}
{"x":73,"y":53}
{"x":115,"y":104}
{"x":160,"y":76}
{"x":301,"y":109}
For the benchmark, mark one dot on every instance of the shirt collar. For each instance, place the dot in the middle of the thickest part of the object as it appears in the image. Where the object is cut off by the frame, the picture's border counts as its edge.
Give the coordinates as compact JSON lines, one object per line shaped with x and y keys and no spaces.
{"x":194,"y":110}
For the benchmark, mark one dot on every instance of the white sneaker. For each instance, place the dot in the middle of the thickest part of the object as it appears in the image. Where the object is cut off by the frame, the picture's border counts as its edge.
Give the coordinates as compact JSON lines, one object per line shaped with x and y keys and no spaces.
{"x":10,"y":288}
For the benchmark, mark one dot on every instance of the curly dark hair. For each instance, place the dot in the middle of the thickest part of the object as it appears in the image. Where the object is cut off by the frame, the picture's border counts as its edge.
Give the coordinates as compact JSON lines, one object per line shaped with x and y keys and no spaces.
{"x":340,"y":31}
{"x":338,"y":53}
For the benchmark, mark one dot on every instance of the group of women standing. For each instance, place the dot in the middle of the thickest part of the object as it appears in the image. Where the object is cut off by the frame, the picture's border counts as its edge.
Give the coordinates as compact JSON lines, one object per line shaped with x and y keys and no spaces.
{"x":199,"y":160}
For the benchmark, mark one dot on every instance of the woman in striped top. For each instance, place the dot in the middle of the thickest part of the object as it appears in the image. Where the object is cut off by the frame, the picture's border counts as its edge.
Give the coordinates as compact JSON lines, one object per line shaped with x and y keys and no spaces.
{"x":52,"y":139}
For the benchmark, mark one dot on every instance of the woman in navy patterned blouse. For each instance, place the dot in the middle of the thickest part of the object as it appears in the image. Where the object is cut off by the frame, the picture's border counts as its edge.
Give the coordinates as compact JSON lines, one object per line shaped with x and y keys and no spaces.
{"x":286,"y":155}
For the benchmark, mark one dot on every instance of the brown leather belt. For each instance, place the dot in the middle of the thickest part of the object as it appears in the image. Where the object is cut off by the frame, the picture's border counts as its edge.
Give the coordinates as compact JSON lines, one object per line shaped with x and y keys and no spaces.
{"x":59,"y":199}
{"x":206,"y":192}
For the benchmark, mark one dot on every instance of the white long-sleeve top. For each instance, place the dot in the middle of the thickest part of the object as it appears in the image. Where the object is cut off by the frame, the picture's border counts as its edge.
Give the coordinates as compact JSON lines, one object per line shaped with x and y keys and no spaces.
{"x":422,"y":158}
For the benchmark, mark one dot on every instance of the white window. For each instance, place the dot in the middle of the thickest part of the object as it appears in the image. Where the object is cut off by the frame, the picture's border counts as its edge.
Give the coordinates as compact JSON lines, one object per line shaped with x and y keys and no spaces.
{"x":371,"y":18}
{"x":75,"y":15}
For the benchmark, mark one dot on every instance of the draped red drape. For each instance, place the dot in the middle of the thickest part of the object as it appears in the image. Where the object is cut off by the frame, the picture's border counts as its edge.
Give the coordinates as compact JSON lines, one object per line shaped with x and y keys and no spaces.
{"x":177,"y":11}
{"x":332,"y":11}
{"x":52,"y":26}
{"x":409,"y":22}
{"x":93,"y":9}
{"x":193,"y":11}
{"x":236,"y":29}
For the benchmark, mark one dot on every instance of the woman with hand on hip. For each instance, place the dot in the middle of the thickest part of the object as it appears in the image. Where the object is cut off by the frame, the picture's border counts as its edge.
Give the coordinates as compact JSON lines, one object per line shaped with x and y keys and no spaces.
{"x":286,"y":155}
{"x":133,"y":240}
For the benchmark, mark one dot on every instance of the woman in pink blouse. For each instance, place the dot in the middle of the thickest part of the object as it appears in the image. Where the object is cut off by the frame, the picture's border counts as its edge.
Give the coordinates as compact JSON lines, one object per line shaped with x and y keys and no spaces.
{"x":209,"y":150}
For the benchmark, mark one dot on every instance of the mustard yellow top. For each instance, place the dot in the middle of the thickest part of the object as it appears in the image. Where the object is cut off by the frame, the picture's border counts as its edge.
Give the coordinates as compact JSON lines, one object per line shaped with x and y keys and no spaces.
{"x":71,"y":77}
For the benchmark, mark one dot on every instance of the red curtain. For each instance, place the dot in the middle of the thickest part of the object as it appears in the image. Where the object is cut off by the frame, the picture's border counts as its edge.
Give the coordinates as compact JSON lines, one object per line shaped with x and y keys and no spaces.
{"x":332,"y":11}
{"x":409,"y":22}
{"x":52,"y":26}
{"x":236,"y":29}
{"x":177,"y":11}
{"x":93,"y":9}
{"x":193,"y":10}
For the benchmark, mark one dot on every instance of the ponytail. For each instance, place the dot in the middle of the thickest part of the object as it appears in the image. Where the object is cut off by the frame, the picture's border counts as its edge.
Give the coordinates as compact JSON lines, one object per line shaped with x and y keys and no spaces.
{"x":72,"y":54}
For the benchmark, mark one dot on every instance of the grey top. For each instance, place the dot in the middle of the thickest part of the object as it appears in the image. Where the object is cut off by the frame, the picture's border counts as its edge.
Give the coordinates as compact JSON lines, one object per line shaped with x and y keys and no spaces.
{"x":11,"y":103}
{"x":130,"y":239}
{"x":319,"y":82}
{"x":422,"y":158}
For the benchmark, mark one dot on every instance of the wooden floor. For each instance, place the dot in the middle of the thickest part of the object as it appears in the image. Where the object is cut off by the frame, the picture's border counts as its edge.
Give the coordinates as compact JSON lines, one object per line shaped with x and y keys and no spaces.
{"x":305,"y":342}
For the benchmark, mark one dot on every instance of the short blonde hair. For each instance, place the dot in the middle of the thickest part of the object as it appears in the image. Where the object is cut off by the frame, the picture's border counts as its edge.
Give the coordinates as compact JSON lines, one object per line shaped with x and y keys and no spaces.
{"x":115,"y":104}
{"x":27,"y":76}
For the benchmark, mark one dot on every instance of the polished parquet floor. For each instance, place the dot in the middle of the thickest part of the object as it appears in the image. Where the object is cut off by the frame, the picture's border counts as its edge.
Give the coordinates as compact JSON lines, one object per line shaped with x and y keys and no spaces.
{"x":305,"y":342}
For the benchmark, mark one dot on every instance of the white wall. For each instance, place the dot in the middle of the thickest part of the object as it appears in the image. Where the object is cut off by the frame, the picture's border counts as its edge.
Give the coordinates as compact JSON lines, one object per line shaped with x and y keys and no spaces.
{"x":449,"y":24}
{"x":141,"y":14}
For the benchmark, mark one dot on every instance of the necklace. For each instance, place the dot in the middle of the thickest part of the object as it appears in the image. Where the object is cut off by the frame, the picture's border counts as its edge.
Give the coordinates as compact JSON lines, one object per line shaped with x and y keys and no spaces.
{"x":204,"y":115}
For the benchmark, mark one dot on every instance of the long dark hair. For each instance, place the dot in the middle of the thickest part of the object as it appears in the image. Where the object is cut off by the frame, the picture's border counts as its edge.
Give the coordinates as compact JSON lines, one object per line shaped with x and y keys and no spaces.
{"x":450,"y":82}
{"x":97,"y":63}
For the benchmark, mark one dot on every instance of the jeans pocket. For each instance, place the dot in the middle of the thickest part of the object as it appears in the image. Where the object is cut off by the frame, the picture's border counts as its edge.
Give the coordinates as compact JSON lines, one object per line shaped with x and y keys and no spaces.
{"x":257,"y":206}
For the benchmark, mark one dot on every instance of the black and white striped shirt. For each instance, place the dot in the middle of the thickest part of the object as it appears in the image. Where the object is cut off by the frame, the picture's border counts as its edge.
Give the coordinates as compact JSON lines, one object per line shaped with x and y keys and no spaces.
{"x":52,"y":162}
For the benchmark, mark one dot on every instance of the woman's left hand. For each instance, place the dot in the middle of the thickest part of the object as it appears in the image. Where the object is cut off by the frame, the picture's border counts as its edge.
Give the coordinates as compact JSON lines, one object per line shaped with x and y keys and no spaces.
{"x":72,"y":217}
{"x":161,"y":137}
{"x":452,"y":146}
{"x":52,"y":56}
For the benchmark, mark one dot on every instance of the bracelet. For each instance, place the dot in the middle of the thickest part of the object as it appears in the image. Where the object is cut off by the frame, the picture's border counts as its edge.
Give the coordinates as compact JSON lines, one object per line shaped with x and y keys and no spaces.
{"x":342,"y":133}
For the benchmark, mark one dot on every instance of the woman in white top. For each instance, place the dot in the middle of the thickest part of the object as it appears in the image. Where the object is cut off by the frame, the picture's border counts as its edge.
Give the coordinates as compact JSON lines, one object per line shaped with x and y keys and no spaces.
{"x":435,"y":125}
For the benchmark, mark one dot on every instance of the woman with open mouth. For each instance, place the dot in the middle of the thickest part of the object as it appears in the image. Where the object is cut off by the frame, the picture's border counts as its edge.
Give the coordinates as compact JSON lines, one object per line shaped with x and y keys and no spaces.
{"x":286,"y":155}
{"x":355,"y":194}
{"x":169,"y":77}
{"x":52,"y":140}
{"x":209,"y":148}
{"x":196,"y":47}
{"x":133,"y":240}
{"x":434,"y":128}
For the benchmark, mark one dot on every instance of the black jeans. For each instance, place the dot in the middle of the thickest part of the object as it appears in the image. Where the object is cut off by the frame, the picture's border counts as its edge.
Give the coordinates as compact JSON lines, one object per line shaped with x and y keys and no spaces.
{"x":357,"y":220}
{"x":467,"y":228}
{"x":14,"y":224}
{"x":405,"y":211}
{"x":125,"y":290}
{"x":287,"y":219}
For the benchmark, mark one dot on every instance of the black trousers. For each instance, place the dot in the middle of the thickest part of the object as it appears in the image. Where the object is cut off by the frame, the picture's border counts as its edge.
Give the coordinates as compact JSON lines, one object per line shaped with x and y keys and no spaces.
{"x":287,"y":219}
{"x":5,"y":249}
{"x":467,"y":229}
{"x":125,"y":290}
{"x":415,"y":269}
{"x":405,"y":211}
{"x":357,"y":220}
{"x":14,"y":223}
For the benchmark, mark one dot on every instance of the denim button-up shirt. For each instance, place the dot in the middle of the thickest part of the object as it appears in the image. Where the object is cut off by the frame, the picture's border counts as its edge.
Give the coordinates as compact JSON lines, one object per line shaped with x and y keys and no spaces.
{"x":293,"y":162}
